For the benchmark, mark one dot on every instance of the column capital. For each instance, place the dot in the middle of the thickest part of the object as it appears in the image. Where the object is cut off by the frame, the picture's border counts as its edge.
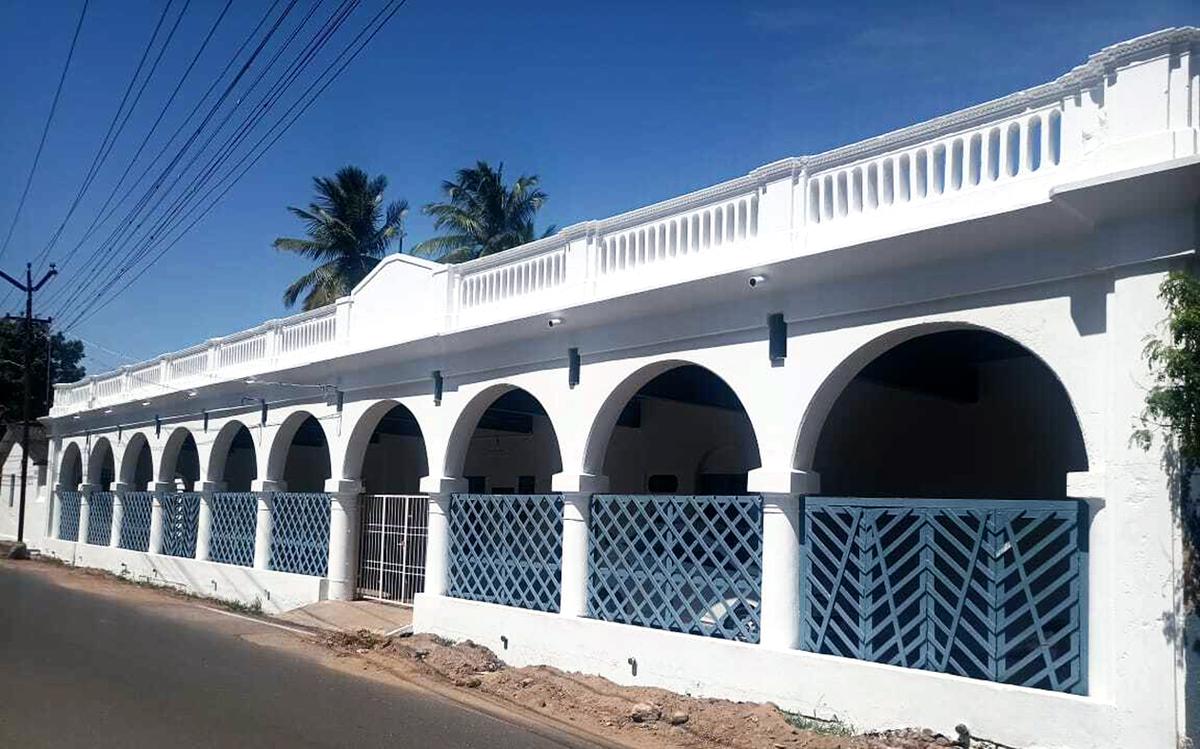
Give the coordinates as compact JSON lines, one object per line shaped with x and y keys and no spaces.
{"x":579,"y":483}
{"x":88,"y":488}
{"x":343,"y":486}
{"x":122,"y":487}
{"x":767,"y":481}
{"x":267,"y":485}
{"x":163,"y":486}
{"x":213,"y":486}
{"x":443,"y":485}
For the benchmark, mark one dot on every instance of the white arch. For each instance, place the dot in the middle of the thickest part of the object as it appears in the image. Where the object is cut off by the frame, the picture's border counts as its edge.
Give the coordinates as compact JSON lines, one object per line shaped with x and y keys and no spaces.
{"x":605,"y":420}
{"x":459,"y":440}
{"x":101,"y":450}
{"x":168,"y":460}
{"x":130,"y":456}
{"x":808,"y":432}
{"x":281,"y":443}
{"x":218,"y":453}
{"x":70,"y":465}
{"x":355,"y":450}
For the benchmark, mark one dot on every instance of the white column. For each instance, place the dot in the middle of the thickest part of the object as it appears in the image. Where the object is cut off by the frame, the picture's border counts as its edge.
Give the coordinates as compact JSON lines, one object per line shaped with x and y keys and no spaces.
{"x":156,"y":515}
{"x":779,"y":610}
{"x":577,"y":493}
{"x":204,"y":518}
{"x":85,"y":491}
{"x":118,"y":514}
{"x":56,"y":510}
{"x":262,"y":528}
{"x":437,"y":546}
{"x":343,"y":537}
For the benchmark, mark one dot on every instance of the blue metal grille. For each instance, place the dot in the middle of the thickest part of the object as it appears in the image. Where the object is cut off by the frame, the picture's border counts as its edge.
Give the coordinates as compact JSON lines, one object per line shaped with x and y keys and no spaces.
{"x":300,"y":533}
{"x":135,"y":520}
{"x":68,"y":515}
{"x":234,"y":516}
{"x":507,"y":549}
{"x":181,"y":513}
{"x":100,"y":508}
{"x":681,"y":563}
{"x":986,"y":589}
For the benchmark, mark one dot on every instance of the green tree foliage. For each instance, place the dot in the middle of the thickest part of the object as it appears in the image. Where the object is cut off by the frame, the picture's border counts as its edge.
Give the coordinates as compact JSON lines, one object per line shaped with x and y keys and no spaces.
{"x":65,"y":356}
{"x":1173,"y":406}
{"x":481,"y":215}
{"x":349,"y":231}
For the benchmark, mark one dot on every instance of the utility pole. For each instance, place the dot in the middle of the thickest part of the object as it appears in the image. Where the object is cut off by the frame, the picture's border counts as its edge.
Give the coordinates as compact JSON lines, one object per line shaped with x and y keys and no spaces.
{"x":29,"y":287}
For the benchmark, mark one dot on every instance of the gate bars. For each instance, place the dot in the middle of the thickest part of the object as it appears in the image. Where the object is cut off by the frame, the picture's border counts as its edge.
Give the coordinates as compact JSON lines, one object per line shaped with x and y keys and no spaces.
{"x":391,"y":561}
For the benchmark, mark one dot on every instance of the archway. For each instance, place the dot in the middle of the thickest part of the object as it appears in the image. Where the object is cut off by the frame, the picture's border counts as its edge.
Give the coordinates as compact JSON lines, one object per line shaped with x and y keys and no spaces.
{"x":512,"y":447}
{"x":70,"y":468}
{"x":682,"y":431}
{"x":234,"y":460}
{"x":137,"y":464}
{"x":101,"y":471}
{"x":962,"y":413}
{"x":386,"y":451}
{"x":180,"y":463}
{"x":300,"y":454}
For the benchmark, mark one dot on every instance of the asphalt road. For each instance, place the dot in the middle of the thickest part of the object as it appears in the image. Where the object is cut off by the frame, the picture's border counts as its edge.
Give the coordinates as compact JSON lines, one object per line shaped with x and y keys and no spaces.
{"x":90,"y":670}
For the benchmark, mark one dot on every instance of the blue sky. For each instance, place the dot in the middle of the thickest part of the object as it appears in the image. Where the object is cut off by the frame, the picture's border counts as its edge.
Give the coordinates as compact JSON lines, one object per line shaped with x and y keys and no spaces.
{"x":615,"y":105}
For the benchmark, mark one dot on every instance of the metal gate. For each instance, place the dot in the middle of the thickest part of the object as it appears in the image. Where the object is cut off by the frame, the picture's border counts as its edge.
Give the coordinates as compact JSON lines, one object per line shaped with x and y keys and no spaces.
{"x":391,"y":559}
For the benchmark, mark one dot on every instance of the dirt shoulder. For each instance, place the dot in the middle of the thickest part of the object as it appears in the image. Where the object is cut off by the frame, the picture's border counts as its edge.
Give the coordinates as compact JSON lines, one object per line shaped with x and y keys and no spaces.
{"x":591,"y":708}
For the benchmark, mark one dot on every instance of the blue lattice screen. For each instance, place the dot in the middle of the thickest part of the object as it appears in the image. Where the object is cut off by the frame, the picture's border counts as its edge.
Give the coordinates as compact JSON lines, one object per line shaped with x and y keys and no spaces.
{"x":234,"y":518}
{"x":507,"y":549}
{"x":68,"y":515}
{"x":181,"y":513}
{"x":135,"y":520}
{"x":991,"y":589}
{"x":100,"y":510}
{"x":300,"y":533}
{"x":681,"y":563}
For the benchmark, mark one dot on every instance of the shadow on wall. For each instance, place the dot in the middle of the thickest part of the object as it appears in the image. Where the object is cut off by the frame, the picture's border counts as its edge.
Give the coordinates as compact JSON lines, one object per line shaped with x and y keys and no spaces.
{"x":1192,"y":684}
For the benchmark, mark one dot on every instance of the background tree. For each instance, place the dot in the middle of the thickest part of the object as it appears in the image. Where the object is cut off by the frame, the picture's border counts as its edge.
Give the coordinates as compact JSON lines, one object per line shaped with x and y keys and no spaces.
{"x":481,"y":215}
{"x":1173,"y":406}
{"x":65,"y":356}
{"x":348,"y":233}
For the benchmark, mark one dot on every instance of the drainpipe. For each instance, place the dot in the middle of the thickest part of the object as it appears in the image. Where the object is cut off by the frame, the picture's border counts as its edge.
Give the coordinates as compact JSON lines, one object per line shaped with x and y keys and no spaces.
{"x":262,"y":530}
{"x":204,"y":518}
{"x":343,"y":537}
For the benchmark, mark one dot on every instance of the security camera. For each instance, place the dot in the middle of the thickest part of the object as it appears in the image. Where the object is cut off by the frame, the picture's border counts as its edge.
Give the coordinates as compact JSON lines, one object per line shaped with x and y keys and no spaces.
{"x":554,"y":322}
{"x":756,"y":281}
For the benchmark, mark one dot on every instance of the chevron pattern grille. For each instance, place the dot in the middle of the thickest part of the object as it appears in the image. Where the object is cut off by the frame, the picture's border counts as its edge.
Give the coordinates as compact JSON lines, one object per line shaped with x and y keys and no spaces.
{"x":507,"y":549}
{"x":300,"y":533}
{"x":680,"y":563}
{"x":100,"y":510}
{"x":181,"y":514}
{"x":234,"y":518}
{"x":135,"y":520}
{"x":990,"y":589}
{"x":68,"y":515}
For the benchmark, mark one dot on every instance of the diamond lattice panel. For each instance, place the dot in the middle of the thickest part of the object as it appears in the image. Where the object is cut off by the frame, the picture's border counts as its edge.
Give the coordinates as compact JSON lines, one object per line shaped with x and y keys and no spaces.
{"x":181,"y":512}
{"x":300,"y":533}
{"x":681,"y":563}
{"x":100,"y":510}
{"x":135,"y":520}
{"x":68,"y":515}
{"x":506,"y":549}
{"x":234,"y":516}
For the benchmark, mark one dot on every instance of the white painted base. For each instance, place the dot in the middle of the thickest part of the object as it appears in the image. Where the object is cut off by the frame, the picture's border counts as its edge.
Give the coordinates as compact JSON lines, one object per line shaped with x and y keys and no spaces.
{"x":275,"y":592}
{"x":867,"y":695}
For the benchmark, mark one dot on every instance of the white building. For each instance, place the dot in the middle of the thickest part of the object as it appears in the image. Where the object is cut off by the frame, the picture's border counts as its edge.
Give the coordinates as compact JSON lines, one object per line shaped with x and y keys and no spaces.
{"x":646,"y":440}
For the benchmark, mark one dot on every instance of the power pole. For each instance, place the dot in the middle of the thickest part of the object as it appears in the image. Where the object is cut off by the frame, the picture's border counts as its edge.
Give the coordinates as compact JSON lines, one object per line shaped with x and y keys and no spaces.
{"x":29,"y":287}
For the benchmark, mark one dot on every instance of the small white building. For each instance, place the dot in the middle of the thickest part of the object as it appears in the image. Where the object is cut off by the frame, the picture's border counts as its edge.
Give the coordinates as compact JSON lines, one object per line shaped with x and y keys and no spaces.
{"x":850,"y":433}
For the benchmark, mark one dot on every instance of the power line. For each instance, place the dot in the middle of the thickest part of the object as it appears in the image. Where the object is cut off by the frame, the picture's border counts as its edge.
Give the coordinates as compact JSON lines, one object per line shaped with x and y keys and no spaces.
{"x":364,"y":37}
{"x":45,"y":129}
{"x":173,"y":217}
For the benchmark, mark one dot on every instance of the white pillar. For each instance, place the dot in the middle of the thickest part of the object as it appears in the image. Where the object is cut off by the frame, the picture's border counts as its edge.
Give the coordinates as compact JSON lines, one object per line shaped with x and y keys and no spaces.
{"x":577,"y":493}
{"x":56,"y":510}
{"x":437,"y":546}
{"x":118,"y":514}
{"x":343,"y":537}
{"x":779,"y":610}
{"x":156,"y":516}
{"x":204,"y":518}
{"x":262,"y":528}
{"x":85,"y":491}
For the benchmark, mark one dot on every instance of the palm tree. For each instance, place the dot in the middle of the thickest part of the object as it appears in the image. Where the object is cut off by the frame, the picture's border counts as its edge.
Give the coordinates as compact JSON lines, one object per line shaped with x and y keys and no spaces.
{"x":481,"y":215}
{"x":344,"y":234}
